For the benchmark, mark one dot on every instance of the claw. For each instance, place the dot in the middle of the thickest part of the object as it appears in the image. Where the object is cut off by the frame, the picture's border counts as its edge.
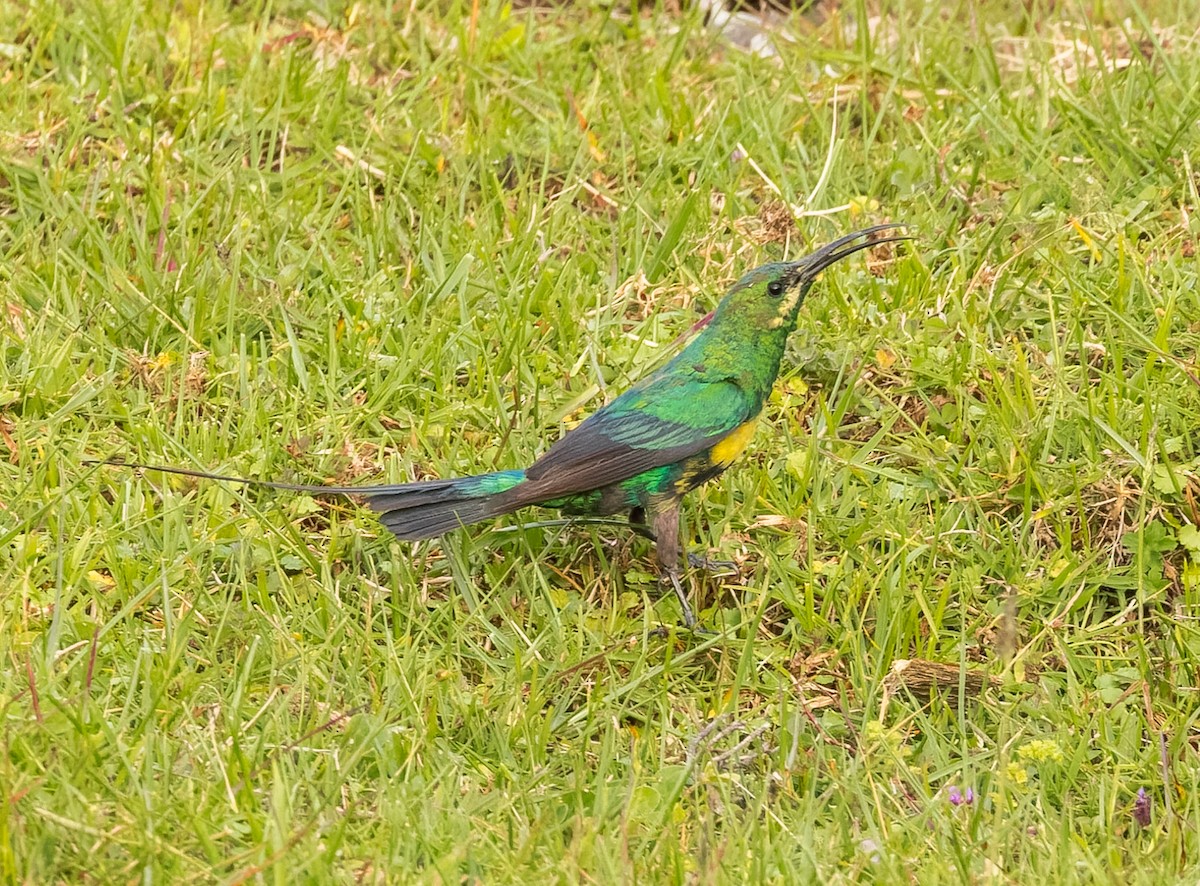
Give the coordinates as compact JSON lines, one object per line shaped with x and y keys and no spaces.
{"x":713,"y":567}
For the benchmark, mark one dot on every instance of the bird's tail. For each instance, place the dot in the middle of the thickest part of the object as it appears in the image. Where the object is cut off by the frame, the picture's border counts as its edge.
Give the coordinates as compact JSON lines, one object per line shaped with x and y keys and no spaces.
{"x":413,"y":511}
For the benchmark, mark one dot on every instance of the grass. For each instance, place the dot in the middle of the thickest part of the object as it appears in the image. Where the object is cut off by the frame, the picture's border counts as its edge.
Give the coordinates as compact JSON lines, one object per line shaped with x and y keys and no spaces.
{"x":349,"y":242}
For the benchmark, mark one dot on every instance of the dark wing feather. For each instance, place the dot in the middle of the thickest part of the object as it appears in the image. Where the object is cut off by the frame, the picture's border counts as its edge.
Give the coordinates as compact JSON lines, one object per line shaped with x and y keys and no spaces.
{"x":651,"y":425}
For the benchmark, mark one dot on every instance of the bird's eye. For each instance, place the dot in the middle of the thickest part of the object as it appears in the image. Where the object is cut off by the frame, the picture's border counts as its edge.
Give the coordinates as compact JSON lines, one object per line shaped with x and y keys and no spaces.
{"x":775,"y":288}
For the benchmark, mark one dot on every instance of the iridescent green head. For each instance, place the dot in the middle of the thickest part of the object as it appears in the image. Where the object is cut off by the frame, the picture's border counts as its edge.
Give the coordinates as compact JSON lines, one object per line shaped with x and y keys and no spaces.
{"x":770,"y":295}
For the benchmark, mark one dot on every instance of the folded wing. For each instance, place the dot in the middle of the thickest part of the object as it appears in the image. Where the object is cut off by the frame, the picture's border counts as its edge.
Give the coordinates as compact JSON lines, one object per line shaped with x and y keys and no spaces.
{"x":649,"y":426}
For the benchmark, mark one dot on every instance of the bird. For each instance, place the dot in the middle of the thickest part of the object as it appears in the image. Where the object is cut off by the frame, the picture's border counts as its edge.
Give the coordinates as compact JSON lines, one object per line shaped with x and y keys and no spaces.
{"x":640,"y":454}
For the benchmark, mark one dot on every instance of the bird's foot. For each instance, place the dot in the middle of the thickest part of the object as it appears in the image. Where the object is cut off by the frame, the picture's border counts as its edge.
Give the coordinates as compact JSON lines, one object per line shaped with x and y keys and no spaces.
{"x":685,"y":608}
{"x":713,"y":567}
{"x":689,"y":618}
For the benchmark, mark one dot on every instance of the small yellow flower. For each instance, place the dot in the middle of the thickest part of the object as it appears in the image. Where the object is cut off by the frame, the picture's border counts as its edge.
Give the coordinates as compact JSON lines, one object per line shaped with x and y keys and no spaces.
{"x":1040,"y":750}
{"x":877,"y":737}
{"x":862,"y":204}
{"x":1016,"y":773}
{"x":873,"y":732}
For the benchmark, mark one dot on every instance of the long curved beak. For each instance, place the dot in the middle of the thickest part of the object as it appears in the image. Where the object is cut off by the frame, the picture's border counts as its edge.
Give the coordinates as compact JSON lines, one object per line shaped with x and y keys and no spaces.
{"x":808,"y":267}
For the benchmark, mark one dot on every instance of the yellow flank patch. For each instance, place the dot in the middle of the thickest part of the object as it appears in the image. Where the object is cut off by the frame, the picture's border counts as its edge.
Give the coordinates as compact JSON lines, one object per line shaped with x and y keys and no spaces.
{"x":725,"y":452}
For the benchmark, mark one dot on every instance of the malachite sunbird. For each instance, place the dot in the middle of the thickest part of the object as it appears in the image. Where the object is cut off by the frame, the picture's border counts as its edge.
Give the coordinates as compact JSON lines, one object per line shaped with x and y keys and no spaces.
{"x":678,"y":427}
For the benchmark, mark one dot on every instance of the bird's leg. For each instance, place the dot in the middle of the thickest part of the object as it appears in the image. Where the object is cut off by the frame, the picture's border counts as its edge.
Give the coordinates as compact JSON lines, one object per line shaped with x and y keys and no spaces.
{"x":637,"y":522}
{"x":665,"y":526}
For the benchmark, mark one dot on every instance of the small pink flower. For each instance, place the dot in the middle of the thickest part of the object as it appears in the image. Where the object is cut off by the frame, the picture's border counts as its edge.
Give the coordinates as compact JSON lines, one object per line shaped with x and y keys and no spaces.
{"x":1141,"y":808}
{"x":960,"y":798}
